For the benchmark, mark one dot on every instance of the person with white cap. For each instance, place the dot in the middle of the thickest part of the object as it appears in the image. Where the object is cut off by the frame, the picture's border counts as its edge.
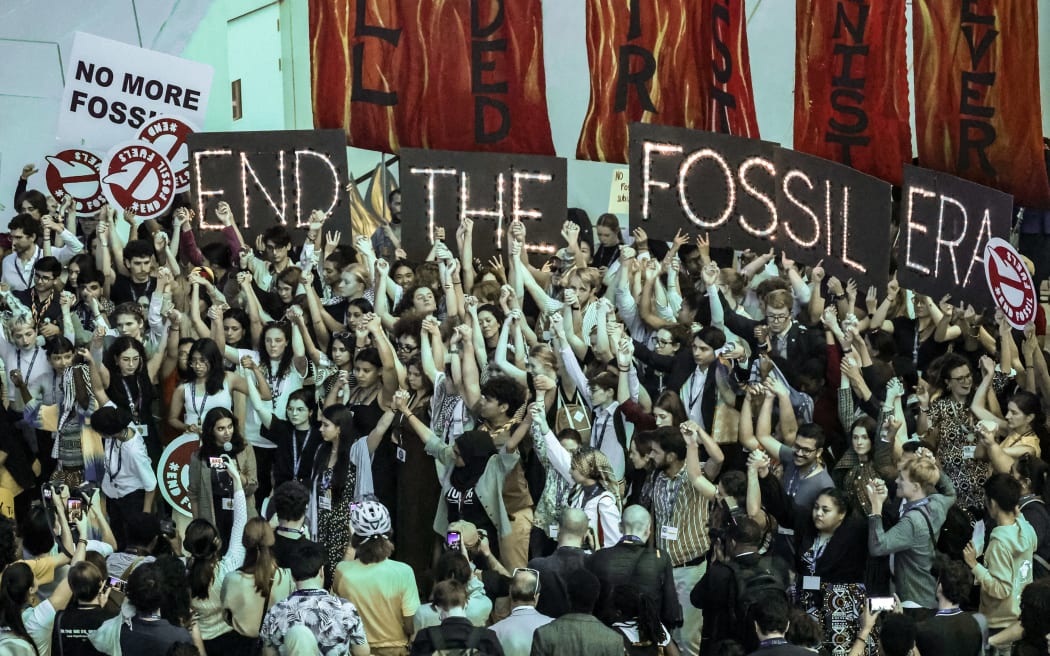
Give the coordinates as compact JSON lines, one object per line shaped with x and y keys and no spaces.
{"x":383,"y":590}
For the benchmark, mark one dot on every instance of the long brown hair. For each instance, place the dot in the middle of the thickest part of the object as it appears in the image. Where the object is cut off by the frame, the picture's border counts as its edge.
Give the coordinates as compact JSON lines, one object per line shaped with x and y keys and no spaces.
{"x":258,"y":553}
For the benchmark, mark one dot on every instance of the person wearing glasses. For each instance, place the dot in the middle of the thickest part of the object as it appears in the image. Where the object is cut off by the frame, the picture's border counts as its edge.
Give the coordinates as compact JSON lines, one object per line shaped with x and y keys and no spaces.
{"x":666,"y":365}
{"x":42,"y":298}
{"x":944,"y":406}
{"x":786,"y":341}
{"x":515,"y":631}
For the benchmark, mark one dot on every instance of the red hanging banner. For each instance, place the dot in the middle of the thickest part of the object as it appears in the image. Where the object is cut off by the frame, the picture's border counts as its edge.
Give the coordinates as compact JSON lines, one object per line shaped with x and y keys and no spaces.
{"x":644,"y":68}
{"x":977,"y":108}
{"x":451,"y":74}
{"x":851,"y":84}
{"x":730,"y":105}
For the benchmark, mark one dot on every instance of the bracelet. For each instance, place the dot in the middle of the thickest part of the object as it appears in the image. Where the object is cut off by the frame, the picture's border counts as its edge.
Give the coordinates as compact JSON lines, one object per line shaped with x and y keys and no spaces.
{"x":409,"y":414}
{"x":82,"y":541}
{"x":623,"y":369}
{"x":457,"y":282}
{"x":849,"y":350}
{"x":860,"y":638}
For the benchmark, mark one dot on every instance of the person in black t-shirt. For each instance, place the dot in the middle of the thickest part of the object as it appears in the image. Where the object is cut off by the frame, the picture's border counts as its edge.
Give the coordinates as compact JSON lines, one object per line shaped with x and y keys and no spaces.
{"x":132,"y":282}
{"x":297,"y":439}
{"x":87,"y":613}
{"x":289,"y":503}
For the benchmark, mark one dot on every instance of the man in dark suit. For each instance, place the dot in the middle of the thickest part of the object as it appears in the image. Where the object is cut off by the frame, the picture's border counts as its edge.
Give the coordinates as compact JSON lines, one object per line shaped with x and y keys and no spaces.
{"x":556,"y":568}
{"x":630,"y":561}
{"x":578,"y":632}
{"x":716,"y":592}
{"x":787,"y":342}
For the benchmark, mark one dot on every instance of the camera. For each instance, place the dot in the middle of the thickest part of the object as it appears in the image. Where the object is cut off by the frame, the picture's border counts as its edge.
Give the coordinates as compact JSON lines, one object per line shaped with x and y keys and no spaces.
{"x":120,"y":585}
{"x":216,"y":463}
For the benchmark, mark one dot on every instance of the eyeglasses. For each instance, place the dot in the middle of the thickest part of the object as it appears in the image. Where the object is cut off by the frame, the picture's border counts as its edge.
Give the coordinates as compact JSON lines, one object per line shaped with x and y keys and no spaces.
{"x":342,"y":337}
{"x":664,"y":342}
{"x":403,"y":347}
{"x":535,"y":573}
{"x":804,"y":451}
{"x":777,"y":318}
{"x":962,"y":379}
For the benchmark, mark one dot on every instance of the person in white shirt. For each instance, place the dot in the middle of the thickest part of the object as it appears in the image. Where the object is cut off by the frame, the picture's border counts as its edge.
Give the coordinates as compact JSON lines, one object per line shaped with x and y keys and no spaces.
{"x":515,"y":631}
{"x":17,"y":267}
{"x":129,"y":482}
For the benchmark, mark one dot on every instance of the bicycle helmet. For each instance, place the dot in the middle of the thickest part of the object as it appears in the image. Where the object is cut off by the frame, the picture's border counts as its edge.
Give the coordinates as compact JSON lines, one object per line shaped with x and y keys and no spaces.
{"x":369,"y":519}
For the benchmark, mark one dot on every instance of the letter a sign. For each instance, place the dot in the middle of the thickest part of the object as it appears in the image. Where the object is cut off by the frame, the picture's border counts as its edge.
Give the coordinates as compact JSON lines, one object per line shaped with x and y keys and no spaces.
{"x":1010,"y":283}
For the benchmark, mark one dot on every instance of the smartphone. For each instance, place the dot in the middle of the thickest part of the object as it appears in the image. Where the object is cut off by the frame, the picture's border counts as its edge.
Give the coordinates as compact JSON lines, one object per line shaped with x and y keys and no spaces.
{"x":453,"y":540}
{"x":47,"y":493}
{"x":119,"y":585}
{"x":216,"y":463}
{"x":73,"y":507}
{"x":881,"y":604}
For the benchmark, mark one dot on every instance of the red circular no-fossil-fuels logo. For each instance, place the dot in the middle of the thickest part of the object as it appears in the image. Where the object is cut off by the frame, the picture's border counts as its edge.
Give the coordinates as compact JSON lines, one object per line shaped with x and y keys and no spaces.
{"x":1010,"y":283}
{"x":74,"y":173}
{"x":173,"y":472}
{"x":168,"y":135}
{"x":138,"y":177}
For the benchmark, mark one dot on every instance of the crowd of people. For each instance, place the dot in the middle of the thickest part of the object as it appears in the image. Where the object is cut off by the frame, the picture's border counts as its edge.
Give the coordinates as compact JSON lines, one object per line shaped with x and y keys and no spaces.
{"x":629,"y":446}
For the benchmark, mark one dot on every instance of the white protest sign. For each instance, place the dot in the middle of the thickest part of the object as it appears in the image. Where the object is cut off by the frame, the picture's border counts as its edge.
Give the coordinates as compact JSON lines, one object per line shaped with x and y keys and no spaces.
{"x":620,"y":192}
{"x":113,"y":89}
{"x":1010,"y":283}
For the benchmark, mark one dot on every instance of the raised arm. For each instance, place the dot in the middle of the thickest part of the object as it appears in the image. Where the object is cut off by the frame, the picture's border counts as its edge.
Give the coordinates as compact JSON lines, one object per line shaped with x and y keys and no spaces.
{"x":690,"y":431}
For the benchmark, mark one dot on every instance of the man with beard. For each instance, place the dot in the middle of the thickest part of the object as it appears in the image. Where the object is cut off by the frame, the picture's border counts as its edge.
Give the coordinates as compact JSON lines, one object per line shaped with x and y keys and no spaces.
{"x":681,"y":494}
{"x":497,"y":408}
{"x":25,"y":231}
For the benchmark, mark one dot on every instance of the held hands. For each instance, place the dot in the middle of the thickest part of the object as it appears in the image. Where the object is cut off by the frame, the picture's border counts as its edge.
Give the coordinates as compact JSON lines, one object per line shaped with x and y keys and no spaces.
{"x":224,"y":214}
{"x":400,"y":402}
{"x":877,"y":494}
{"x":538,"y":413}
{"x":691,"y":433}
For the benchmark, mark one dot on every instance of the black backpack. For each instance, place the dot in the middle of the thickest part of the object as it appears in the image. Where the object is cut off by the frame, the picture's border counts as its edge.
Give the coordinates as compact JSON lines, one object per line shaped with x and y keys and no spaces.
{"x":752,"y":584}
{"x":472,"y":646}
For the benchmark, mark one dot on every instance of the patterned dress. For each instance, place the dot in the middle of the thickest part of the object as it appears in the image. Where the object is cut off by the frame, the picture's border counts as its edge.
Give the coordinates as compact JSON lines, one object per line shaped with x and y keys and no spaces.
{"x":955,"y":450}
{"x":333,"y":524}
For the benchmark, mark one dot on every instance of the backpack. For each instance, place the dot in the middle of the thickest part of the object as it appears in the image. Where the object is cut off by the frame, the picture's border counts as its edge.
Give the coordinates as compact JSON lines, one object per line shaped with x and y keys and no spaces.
{"x":573,"y":415}
{"x":441,"y":647}
{"x":644,"y":648}
{"x":955,"y":533}
{"x":1042,"y":568}
{"x":752,"y":583}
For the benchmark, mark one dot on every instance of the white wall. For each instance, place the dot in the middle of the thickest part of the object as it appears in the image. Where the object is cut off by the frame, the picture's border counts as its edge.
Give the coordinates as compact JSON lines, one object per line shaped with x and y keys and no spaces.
{"x":34,"y":34}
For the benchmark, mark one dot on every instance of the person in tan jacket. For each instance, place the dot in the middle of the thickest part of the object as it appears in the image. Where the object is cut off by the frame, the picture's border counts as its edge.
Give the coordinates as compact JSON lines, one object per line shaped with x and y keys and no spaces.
{"x":211,"y":487}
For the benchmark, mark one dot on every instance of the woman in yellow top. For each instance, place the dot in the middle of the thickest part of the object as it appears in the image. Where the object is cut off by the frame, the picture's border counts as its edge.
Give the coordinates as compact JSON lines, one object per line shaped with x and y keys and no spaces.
{"x":1023,"y":426}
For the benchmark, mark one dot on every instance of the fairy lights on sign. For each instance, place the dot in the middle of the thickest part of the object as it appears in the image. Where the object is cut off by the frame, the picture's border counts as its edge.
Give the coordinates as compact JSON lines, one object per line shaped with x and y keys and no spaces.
{"x":751,"y":194}
{"x":202,"y":193}
{"x":431,"y":205}
{"x":443,"y":188}
{"x":945,"y":224}
{"x":300,"y":211}
{"x":248,"y":170}
{"x":269,"y":178}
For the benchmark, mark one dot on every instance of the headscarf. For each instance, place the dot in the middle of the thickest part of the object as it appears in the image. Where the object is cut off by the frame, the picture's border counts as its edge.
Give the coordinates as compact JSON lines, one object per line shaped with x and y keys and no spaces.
{"x":475,"y":447}
{"x":592,"y":463}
